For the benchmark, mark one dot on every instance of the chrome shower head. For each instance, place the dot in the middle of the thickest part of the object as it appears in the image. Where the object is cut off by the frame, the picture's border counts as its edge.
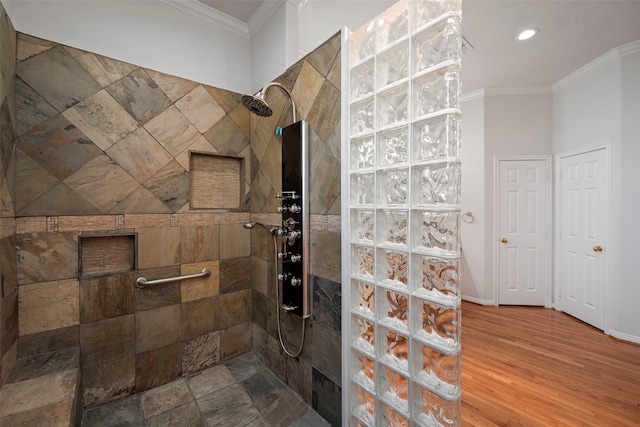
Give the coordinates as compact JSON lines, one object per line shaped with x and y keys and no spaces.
{"x":256,"y":104}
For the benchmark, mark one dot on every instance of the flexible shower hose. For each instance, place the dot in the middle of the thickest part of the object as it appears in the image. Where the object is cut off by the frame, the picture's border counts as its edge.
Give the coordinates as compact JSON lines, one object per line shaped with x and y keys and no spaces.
{"x":275,"y":281}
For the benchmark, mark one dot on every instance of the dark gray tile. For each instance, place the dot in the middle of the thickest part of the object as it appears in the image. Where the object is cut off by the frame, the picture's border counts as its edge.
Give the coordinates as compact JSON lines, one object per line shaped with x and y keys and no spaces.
{"x":44,"y":364}
{"x":261,"y":385}
{"x":242,"y":367}
{"x":281,"y":408}
{"x":328,"y":348}
{"x":171,"y":185}
{"x":310,"y":419}
{"x":139,"y":95}
{"x":184,"y":416}
{"x":158,"y":366}
{"x":327,"y":398}
{"x":126,"y":412}
{"x":327,"y":303}
{"x":223,"y":404}
{"x":44,"y":342}
{"x":32,"y":109}
{"x":104,"y":297}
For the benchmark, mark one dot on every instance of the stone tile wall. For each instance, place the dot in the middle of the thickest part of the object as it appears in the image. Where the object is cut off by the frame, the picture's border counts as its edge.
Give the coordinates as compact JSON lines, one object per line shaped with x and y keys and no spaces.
{"x":316,"y":374}
{"x":8,"y":287}
{"x":103,"y":149}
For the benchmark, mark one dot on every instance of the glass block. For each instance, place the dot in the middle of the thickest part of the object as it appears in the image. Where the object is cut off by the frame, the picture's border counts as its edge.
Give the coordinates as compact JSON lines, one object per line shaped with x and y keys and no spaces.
{"x":393,"y":187}
{"x":436,"y":231}
{"x":363,"y":81}
{"x":393,"y":23}
{"x":393,"y":308}
{"x":436,"y":324}
{"x":362,"y":297}
{"x":393,"y":267}
{"x":362,"y":152}
{"x":393,"y":388}
{"x":391,"y":418}
{"x":362,"y":261}
{"x":392,"y":227}
{"x":393,"y":348}
{"x":436,"y":370}
{"x":362,"y":116}
{"x":363,"y":404}
{"x":393,"y":65}
{"x":436,"y":137}
{"x":362,"y":189}
{"x":427,"y":11}
{"x":393,"y":106}
{"x":393,"y":146}
{"x":430,"y":409}
{"x":436,"y":44}
{"x":436,"y":278}
{"x":363,"y":42}
{"x":436,"y":184}
{"x":362,"y":225}
{"x":362,"y":334}
{"x":356,"y":422}
{"x":436,"y":91}
{"x":363,"y":368}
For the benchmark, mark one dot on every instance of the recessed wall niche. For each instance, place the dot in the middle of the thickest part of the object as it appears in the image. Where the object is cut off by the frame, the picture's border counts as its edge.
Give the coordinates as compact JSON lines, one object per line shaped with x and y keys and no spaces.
{"x":106,"y":254}
{"x":216,"y":181}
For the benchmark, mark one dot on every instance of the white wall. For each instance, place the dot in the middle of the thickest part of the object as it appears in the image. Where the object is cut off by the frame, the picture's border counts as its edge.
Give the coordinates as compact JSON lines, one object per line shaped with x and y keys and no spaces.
{"x":150,"y":34}
{"x":474,"y":286}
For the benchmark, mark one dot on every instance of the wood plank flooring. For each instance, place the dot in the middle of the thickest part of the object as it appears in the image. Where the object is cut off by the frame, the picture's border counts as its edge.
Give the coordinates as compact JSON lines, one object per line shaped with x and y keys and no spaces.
{"x":530,"y":366}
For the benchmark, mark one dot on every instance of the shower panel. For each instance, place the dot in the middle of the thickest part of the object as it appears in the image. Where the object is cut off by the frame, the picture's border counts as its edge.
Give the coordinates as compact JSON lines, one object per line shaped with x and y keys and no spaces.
{"x":294,"y":256}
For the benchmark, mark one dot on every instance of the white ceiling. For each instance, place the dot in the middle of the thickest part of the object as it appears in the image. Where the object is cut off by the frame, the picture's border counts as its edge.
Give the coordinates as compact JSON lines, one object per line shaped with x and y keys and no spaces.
{"x":572,"y":33}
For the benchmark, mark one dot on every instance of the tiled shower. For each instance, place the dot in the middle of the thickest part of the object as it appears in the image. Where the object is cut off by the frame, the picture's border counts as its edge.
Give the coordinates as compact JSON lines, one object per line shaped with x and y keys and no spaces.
{"x":102,"y":172}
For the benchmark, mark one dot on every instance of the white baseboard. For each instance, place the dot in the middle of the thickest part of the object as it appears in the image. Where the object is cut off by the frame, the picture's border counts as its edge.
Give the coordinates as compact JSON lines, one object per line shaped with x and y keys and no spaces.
{"x":478,"y":300}
{"x":625,"y":337}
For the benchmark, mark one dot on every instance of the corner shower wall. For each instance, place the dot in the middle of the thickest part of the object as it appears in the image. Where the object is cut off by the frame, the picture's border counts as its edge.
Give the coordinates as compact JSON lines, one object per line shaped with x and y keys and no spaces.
{"x":103,"y":152}
{"x":402,"y":311}
{"x":316,"y":374}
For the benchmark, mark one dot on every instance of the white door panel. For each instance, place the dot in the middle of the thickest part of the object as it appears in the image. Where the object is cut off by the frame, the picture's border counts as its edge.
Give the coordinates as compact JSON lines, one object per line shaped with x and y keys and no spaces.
{"x":523,"y":232}
{"x":583,"y":232}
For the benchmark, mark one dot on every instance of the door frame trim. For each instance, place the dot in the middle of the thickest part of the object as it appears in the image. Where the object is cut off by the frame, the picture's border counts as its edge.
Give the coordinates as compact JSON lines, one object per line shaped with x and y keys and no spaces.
{"x":548,"y":159}
{"x":557,"y":303}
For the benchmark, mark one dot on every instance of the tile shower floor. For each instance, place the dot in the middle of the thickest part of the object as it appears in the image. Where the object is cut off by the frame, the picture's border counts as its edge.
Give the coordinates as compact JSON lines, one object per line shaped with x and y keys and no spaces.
{"x":240,"y":392}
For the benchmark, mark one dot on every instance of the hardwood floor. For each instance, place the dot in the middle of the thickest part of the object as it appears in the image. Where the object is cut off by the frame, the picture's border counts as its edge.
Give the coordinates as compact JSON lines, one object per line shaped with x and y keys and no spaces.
{"x":530,"y":366}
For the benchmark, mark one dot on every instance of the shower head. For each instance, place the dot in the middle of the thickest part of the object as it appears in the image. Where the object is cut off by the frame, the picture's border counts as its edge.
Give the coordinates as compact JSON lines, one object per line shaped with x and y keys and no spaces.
{"x":257,"y":103}
{"x":250,"y":225}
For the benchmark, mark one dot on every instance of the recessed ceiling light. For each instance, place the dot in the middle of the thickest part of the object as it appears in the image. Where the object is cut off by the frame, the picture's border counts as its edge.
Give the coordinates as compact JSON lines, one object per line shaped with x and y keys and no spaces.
{"x":527,"y":34}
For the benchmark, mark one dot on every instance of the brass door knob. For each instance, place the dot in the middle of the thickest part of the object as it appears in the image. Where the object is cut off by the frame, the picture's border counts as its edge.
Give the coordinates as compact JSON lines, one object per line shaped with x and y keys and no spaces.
{"x":504,"y":240}
{"x":597,"y":248}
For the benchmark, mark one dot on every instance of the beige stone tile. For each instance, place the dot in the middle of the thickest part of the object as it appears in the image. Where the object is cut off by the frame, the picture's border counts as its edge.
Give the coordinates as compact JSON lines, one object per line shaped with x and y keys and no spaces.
{"x":234,"y":241}
{"x":7,"y":227}
{"x":165,"y":398}
{"x":54,"y":415}
{"x":306,"y":88}
{"x":170,"y":185}
{"x":47,"y":341}
{"x":44,"y":257}
{"x":199,"y":317}
{"x":140,"y":155}
{"x":226,"y":99}
{"x":200,"y":353}
{"x":210,"y":380}
{"x":226,"y":137}
{"x":102,"y":119}
{"x":200,"y":108}
{"x":60,"y":200}
{"x":102,"y":183}
{"x":235,"y":341}
{"x":201,"y":144}
{"x":174,"y":87}
{"x":38,"y":392}
{"x":104,"y":70}
{"x":109,"y":381}
{"x":9,"y":359}
{"x":323,"y":57}
{"x":32,"y":107}
{"x":235,"y":308}
{"x":32,"y":180}
{"x":49,"y":305}
{"x":158,"y":366}
{"x":325,"y":255}
{"x":204,"y":287}
{"x":29,"y":46}
{"x":139,"y":95}
{"x":140,"y":201}
{"x":157,"y":328}
{"x":158,"y":246}
{"x":173,"y":130}
{"x":200,"y":243}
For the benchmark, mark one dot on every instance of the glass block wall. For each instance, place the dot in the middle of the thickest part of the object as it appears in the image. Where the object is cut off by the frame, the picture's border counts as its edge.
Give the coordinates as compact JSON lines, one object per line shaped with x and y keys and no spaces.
{"x":402,"y":260}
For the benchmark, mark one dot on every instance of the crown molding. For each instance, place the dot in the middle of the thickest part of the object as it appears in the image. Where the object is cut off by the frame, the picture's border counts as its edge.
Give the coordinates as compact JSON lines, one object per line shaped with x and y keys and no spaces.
{"x":264,"y":12}
{"x":471,"y":96}
{"x":516,"y":91}
{"x":612,"y":55}
{"x":211,"y":15}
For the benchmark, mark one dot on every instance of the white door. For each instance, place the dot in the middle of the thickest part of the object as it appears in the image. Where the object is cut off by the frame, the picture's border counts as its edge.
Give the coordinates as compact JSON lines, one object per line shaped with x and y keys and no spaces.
{"x":583,"y":232}
{"x":523,"y":227}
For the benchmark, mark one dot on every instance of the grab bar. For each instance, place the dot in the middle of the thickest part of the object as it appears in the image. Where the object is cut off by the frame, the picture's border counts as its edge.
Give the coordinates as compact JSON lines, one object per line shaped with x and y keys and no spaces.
{"x":141,"y":282}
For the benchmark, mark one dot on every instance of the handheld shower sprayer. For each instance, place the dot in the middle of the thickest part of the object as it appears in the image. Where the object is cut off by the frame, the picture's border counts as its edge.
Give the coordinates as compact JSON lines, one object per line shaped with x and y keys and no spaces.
{"x":251,"y":225}
{"x":257,"y":103}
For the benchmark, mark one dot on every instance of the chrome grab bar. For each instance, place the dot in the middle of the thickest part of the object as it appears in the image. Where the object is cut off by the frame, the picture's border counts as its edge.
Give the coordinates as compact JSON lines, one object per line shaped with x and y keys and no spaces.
{"x":141,"y":282}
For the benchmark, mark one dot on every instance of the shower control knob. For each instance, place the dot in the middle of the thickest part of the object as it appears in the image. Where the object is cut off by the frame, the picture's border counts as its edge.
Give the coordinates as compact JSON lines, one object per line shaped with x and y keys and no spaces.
{"x":282,"y":231}
{"x":283,"y":276}
{"x":283,"y":209}
{"x":294,"y":234}
{"x":294,"y":208}
{"x":296,"y":258}
{"x":283,"y":255}
{"x":296,"y":282}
